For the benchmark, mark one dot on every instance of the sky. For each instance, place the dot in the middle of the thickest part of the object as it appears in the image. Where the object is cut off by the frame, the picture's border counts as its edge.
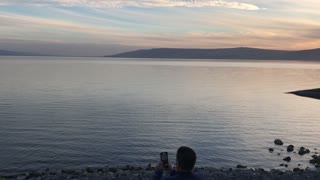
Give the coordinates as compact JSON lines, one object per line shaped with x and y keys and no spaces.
{"x":104,"y":27}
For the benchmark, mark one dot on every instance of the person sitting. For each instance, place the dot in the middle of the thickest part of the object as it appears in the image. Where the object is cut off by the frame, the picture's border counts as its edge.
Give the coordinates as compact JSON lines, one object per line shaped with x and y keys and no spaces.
{"x":185,"y":161}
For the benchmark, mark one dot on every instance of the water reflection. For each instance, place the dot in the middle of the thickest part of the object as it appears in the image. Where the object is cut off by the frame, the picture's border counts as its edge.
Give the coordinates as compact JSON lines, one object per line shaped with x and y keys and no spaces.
{"x":79,"y":112}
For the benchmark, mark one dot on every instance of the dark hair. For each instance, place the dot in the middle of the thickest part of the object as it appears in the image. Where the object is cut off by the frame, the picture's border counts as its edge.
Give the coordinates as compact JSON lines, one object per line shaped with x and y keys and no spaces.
{"x":186,"y":158}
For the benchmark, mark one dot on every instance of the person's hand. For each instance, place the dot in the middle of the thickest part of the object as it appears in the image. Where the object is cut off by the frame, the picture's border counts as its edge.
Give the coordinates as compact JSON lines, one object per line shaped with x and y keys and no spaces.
{"x":159,"y":167}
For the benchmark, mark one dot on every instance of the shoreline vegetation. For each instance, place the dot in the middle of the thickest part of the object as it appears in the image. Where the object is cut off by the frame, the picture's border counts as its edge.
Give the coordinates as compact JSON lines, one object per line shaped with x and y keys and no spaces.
{"x":240,"y":172}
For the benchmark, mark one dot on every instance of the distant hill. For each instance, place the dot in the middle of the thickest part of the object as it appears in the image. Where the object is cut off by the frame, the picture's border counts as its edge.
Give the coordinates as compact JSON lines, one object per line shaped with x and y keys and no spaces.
{"x":226,"y":53}
{"x":14,"y":53}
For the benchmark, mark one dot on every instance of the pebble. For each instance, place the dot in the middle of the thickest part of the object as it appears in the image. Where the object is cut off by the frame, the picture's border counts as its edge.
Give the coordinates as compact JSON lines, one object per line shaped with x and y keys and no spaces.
{"x":271,"y":150}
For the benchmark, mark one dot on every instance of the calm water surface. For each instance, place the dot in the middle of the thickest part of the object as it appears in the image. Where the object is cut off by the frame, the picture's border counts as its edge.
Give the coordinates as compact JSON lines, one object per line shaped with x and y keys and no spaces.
{"x":79,"y":112}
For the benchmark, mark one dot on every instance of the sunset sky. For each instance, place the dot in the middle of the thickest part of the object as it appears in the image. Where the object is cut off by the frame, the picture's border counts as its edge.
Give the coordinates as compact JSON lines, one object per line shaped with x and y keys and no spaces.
{"x":102,"y":27}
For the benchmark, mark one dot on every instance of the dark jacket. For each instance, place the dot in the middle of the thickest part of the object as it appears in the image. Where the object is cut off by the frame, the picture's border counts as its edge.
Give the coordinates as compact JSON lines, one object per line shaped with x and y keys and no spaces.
{"x":176,"y":176}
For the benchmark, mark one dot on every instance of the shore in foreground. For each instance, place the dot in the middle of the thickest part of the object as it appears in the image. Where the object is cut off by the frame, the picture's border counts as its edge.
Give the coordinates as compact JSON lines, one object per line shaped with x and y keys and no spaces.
{"x":139,"y":173}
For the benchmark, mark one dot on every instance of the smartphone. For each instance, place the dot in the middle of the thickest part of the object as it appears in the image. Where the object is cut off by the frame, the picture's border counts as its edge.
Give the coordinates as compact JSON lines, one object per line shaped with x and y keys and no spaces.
{"x":164,"y":159}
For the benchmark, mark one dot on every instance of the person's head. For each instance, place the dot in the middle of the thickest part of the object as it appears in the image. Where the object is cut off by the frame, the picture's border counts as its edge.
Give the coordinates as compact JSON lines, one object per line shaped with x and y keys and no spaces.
{"x":186,"y":159}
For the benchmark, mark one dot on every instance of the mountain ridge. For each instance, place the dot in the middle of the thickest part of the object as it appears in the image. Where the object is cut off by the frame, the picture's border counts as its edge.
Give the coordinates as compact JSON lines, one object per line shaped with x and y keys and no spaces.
{"x":223,"y":53}
{"x":16,"y":53}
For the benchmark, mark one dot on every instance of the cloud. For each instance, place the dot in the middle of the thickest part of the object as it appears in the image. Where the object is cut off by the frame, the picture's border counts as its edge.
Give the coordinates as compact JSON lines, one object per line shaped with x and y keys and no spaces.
{"x":137,"y":3}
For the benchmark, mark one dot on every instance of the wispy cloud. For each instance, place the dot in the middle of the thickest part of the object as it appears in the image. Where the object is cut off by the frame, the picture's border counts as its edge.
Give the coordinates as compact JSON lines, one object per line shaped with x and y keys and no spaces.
{"x":281,"y":36}
{"x":138,"y":3}
{"x":103,"y":24}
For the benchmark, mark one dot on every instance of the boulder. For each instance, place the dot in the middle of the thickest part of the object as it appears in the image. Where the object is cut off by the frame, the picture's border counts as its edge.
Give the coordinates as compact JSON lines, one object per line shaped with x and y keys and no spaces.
{"x":278,"y":142}
{"x":315,"y":160}
{"x":288,"y":159}
{"x":297,"y":170}
{"x":290,"y":148}
{"x":241,"y":167}
{"x":303,"y":151}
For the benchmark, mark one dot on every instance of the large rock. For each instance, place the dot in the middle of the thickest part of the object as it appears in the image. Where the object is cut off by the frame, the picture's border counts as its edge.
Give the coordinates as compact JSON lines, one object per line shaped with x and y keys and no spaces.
{"x":315,"y":160}
{"x":241,"y":167}
{"x":278,"y":142}
{"x":290,"y":148}
{"x":303,"y":151}
{"x":297,"y":170}
{"x":288,"y":159}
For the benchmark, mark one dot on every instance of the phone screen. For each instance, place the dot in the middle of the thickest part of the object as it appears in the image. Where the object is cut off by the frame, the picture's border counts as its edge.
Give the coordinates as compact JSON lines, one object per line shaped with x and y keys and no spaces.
{"x":164,"y":159}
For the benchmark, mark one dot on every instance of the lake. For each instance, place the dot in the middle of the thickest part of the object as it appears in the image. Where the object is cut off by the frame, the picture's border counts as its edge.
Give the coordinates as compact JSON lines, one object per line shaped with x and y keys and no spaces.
{"x":80,"y":112}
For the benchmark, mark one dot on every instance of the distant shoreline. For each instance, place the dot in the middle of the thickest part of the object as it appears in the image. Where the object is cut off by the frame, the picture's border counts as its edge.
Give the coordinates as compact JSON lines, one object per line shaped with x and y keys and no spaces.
{"x":223,"y":53}
{"x":310,"y":93}
{"x":238,"y":53}
{"x":167,"y":59}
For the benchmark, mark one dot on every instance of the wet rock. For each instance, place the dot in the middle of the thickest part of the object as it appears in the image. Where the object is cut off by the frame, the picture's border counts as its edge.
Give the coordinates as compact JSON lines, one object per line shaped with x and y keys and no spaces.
{"x":241,"y":166}
{"x":281,"y":164}
{"x":271,"y":150}
{"x":261,"y":170}
{"x":315,"y":160}
{"x":89,"y":170}
{"x":113,"y":170}
{"x":297,"y":170}
{"x":303,"y":151}
{"x":100,"y":170}
{"x":278,"y":142}
{"x":286,"y":165}
{"x":288,"y":159}
{"x":290,"y":148}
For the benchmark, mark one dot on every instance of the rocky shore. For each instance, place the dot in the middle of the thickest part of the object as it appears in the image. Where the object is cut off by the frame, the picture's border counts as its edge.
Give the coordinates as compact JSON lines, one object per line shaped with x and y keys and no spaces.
{"x":139,"y":173}
{"x":240,"y":172}
{"x":311,"y":93}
